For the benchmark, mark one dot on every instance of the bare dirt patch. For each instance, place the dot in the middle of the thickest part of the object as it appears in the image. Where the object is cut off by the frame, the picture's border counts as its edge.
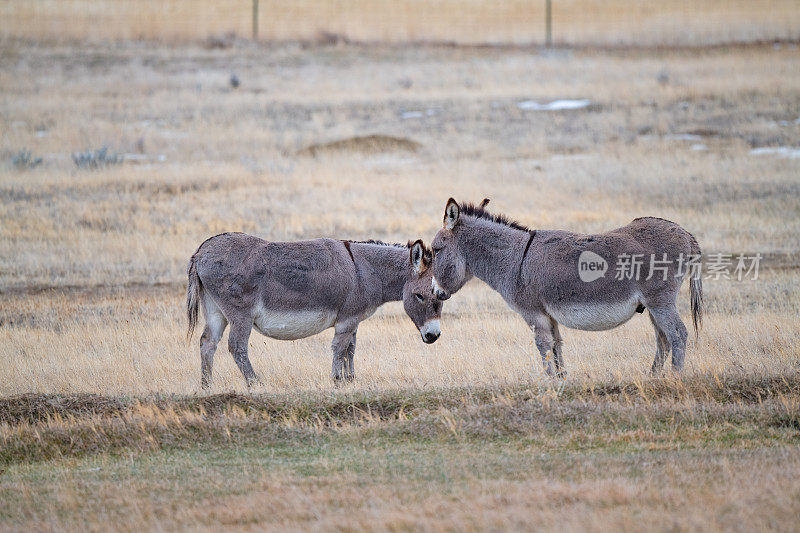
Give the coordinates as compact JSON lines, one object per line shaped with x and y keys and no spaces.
{"x":369,"y":144}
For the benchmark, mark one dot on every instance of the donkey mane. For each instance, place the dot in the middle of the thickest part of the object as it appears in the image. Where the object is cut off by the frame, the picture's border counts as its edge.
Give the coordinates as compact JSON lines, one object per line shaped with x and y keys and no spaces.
{"x":376,"y":242}
{"x":479,"y":211}
{"x":381,"y":243}
{"x":653,"y":218}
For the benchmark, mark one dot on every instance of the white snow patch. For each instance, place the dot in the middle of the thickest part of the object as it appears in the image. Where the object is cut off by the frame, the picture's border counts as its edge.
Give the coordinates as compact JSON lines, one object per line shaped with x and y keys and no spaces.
{"x":685,"y":137}
{"x":388,"y":162}
{"x":555,"y":105}
{"x":699,"y":147}
{"x":417,"y":114}
{"x":781,"y":151}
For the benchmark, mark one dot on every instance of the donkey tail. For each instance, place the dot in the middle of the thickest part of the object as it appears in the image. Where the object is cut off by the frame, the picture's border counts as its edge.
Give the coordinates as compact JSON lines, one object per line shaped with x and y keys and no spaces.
{"x":696,"y":291}
{"x":193,"y":291}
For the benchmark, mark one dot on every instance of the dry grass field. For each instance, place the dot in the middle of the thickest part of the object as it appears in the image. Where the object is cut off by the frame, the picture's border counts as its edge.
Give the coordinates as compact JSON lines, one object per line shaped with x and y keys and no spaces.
{"x":102,"y":423}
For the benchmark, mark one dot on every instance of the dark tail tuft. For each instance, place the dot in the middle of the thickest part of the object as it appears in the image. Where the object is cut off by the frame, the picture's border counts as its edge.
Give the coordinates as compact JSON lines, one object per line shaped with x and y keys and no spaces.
{"x":193,"y":291}
{"x":696,"y":293}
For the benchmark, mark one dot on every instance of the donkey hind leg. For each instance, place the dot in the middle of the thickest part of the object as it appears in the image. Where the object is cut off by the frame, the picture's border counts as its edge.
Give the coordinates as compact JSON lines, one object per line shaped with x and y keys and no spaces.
{"x":670,"y":323}
{"x":558,"y":342}
{"x":662,"y":348}
{"x":237,"y":345}
{"x":343,"y":347}
{"x":215,"y":326}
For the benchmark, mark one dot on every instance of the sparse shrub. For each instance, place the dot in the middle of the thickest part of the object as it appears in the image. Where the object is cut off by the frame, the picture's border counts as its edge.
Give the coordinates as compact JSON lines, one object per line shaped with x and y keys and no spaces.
{"x":327,"y":38}
{"x":24,"y":160}
{"x":96,"y":159}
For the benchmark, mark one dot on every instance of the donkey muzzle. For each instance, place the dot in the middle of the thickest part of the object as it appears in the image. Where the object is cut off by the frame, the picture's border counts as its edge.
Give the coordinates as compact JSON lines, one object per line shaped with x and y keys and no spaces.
{"x":430,"y":331}
{"x":429,"y":338}
{"x":439,"y":292}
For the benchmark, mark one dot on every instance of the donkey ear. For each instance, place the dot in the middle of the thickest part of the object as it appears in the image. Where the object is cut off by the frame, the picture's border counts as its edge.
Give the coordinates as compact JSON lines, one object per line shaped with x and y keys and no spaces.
{"x":418,"y":257}
{"x":451,"y":213}
{"x":484,"y":203}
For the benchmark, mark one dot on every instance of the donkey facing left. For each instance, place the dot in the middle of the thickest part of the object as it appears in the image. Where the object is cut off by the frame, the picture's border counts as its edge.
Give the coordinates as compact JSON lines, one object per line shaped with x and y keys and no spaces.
{"x":292,"y":290}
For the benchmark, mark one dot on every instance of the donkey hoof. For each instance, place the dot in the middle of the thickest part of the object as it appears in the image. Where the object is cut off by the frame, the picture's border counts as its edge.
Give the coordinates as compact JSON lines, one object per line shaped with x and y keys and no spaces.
{"x":254,"y":381}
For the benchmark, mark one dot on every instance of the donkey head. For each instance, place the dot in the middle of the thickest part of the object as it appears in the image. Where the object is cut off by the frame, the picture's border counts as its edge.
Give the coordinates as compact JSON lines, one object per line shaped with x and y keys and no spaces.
{"x":418,"y":299}
{"x":449,"y":264}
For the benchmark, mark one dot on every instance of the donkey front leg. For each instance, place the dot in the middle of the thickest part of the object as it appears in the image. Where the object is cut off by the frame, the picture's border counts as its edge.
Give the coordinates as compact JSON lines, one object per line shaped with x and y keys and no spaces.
{"x":343,"y":347}
{"x":237,"y":344}
{"x":350,"y":368}
{"x":558,"y":342}
{"x":545,"y":341}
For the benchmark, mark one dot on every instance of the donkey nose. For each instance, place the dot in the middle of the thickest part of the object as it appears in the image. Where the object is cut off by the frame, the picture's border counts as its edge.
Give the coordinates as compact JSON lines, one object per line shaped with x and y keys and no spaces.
{"x":439,"y":292}
{"x":441,"y":295}
{"x":430,"y":337}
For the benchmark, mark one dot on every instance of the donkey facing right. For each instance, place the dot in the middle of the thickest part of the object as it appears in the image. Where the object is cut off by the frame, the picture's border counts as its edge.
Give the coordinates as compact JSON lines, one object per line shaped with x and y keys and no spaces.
{"x":553,"y":277}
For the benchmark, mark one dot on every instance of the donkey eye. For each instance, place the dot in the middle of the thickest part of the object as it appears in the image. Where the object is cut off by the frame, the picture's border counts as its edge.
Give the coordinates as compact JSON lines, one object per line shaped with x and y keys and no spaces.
{"x":419,"y":297}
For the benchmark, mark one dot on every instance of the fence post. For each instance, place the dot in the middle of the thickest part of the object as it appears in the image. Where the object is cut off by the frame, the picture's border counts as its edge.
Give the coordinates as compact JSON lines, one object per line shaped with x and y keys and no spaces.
{"x":255,"y":19}
{"x":548,"y":24}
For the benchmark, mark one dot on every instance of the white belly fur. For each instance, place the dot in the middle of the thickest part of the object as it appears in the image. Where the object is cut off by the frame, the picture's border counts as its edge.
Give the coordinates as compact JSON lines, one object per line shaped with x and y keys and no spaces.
{"x":595,"y":316}
{"x":292,"y":325}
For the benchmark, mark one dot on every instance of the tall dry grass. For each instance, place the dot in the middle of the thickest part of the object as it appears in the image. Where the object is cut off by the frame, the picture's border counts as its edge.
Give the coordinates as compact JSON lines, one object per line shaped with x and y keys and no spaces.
{"x":132,"y":342}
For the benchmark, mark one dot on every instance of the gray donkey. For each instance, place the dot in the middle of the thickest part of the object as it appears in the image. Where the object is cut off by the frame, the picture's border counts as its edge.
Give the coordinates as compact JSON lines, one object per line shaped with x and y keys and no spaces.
{"x":557,"y":277}
{"x":292,"y":290}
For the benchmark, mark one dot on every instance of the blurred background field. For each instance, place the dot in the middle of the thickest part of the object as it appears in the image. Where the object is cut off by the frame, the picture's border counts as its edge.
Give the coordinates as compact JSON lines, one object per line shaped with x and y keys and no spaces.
{"x":574,"y":22}
{"x":132,"y":131}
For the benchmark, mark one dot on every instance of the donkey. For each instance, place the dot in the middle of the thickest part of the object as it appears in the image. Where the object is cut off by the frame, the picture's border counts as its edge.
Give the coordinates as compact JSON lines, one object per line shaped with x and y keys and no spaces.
{"x":292,"y":290}
{"x":558,"y":277}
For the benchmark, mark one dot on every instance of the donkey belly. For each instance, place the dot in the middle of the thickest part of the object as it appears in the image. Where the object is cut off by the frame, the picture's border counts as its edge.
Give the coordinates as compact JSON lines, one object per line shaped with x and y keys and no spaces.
{"x":594,"y":316}
{"x":292,"y":325}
